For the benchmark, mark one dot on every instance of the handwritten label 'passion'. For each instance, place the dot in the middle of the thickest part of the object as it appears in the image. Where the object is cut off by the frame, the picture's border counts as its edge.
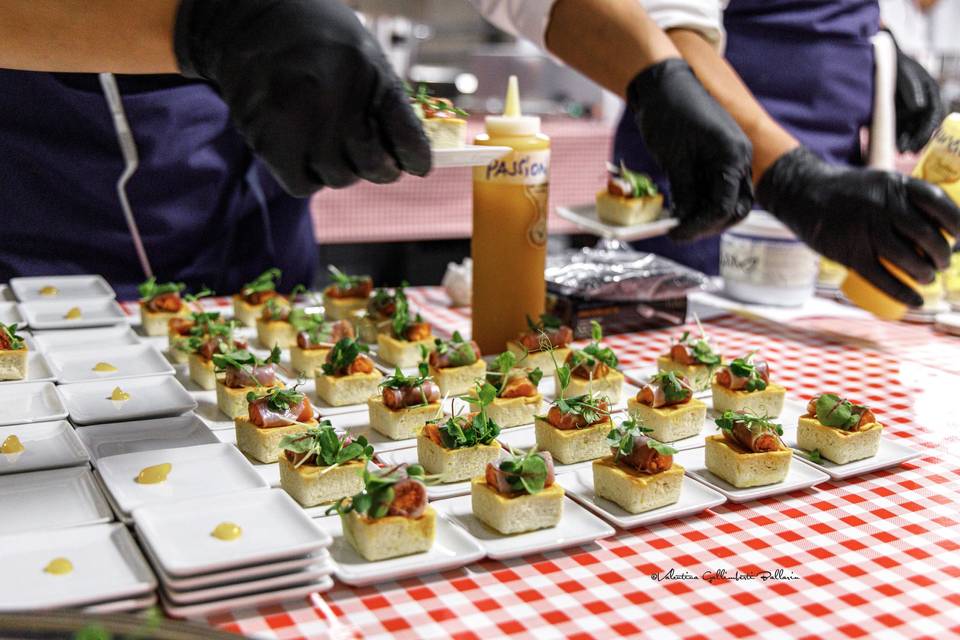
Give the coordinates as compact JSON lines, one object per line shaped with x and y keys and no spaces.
{"x":532,"y":167}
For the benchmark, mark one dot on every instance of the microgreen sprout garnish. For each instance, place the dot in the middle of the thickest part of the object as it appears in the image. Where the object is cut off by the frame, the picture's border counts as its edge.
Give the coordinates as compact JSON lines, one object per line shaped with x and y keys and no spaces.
{"x":674,"y":391}
{"x":833,"y":411}
{"x":244,"y":360}
{"x":422,"y":97}
{"x":276,"y":309}
{"x":755,"y":424}
{"x":9,"y":336}
{"x":459,"y":352}
{"x":344,"y":281}
{"x":547,"y":322}
{"x":594,"y":352}
{"x":622,"y":438}
{"x":813,"y":456}
{"x":700,"y":347}
{"x":279,"y":399}
{"x":344,"y":352}
{"x":401,"y":317}
{"x":193,"y":299}
{"x":322,"y":446}
{"x":150,"y":289}
{"x":526,"y":472}
{"x":266,"y":281}
{"x":318,"y":331}
{"x":377,"y":495}
{"x":400,"y":381}
{"x":498,"y":373}
{"x":745,"y":368}
{"x":640,"y":183}
{"x":458,"y":432}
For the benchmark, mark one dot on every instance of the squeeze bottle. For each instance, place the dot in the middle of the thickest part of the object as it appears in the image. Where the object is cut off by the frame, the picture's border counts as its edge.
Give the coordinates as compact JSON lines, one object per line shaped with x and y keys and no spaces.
{"x":509,"y":244}
{"x":940,"y":164}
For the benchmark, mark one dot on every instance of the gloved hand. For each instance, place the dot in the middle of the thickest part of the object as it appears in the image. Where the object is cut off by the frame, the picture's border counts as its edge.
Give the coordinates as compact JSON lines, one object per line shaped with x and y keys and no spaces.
{"x":856,"y":216}
{"x":917,"y":101}
{"x":702,"y":150}
{"x":307,"y":86}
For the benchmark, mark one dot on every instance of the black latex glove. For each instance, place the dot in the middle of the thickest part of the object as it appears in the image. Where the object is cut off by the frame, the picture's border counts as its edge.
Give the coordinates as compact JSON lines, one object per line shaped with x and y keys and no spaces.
{"x":856,"y":216}
{"x":702,"y":150}
{"x":307,"y":86}
{"x":917,"y":101}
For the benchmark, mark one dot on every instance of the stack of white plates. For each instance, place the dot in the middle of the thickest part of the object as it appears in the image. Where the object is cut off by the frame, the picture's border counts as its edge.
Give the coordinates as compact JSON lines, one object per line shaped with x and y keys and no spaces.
{"x":277,"y":553}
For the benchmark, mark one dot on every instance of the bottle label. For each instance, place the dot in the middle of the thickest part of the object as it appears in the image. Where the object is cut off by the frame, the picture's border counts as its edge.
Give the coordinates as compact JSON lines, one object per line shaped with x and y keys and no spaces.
{"x":518,"y":167}
{"x":940,"y":160}
{"x":766,"y":262}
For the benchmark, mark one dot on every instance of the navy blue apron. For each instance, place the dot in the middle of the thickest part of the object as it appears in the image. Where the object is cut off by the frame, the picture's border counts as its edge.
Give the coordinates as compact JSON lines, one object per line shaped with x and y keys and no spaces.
{"x":810,"y":64}
{"x":209,"y":213}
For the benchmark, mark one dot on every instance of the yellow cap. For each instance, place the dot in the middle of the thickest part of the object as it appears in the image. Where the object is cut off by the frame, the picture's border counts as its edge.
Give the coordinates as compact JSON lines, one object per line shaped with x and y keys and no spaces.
{"x":512,"y":122}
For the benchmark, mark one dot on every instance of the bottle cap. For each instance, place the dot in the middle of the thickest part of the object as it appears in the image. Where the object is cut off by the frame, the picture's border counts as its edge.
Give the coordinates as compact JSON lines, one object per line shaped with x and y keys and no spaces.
{"x":512,"y":122}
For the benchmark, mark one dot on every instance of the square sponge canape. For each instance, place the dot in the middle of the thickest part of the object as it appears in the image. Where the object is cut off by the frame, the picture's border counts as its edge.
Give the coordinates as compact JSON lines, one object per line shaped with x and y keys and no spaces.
{"x":768,"y":402}
{"x":399,"y":424}
{"x":445,"y":133}
{"x":743,"y":468}
{"x":338,"y":391}
{"x":456,"y":465}
{"x":573,"y":445}
{"x":177,"y":355}
{"x":636,"y":492}
{"x":673,"y":423}
{"x":233,"y":402}
{"x":456,"y":381}
{"x":202,"y":372}
{"x":516,"y":514}
{"x":264,"y":444}
{"x":837,"y":445}
{"x":511,"y":412}
{"x":276,"y":333}
{"x":622,"y":211}
{"x":698,"y":375}
{"x":13,"y":364}
{"x":246,"y":313}
{"x":307,"y":362}
{"x":390,"y":536}
{"x":368,"y":329}
{"x":536,"y":359}
{"x":401,"y":353}
{"x":342,"y":308}
{"x":311,"y":485}
{"x":610,"y":385}
{"x":156,"y":323}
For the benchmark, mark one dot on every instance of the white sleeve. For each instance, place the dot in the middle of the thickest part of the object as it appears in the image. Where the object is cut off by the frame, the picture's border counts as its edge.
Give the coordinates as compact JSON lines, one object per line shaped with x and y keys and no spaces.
{"x":529,"y":18}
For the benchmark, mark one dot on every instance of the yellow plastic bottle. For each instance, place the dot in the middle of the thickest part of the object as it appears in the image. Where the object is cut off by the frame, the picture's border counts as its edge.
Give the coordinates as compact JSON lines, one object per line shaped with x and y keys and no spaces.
{"x":940,"y":164}
{"x":509,"y":245}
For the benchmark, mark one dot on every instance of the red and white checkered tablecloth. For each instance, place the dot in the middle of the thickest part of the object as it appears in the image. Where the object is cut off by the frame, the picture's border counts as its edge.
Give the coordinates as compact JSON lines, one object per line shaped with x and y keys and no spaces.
{"x":877,"y":556}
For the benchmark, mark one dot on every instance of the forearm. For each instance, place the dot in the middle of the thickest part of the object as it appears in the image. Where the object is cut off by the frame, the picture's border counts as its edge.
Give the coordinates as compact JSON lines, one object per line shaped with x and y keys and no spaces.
{"x":769,"y":139}
{"x":609,"y":41}
{"x":121,"y":36}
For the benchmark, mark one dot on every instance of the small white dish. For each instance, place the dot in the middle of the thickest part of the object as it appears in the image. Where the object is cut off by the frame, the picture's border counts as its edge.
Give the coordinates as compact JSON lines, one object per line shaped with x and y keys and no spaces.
{"x":30,"y":402}
{"x":800,"y":476}
{"x":434,"y":491}
{"x":105,"y":440}
{"x":273,"y":527}
{"x":469,"y":155}
{"x":948,"y":323}
{"x":890,"y":454}
{"x":694,"y":498}
{"x":106,"y":566}
{"x":585,"y":216}
{"x":320,"y":559}
{"x":204,"y":470}
{"x":270,"y":472}
{"x":86,"y":339}
{"x":130,"y":361}
{"x":46,"y":445}
{"x":10,"y":314}
{"x":38,"y":370}
{"x":577,"y":526}
{"x":68,"y":287}
{"x":308,"y":575}
{"x":127,"y":605}
{"x":52,"y":314}
{"x":52,"y":499}
{"x":150,"y":397}
{"x":452,"y":548}
{"x":261,"y":599}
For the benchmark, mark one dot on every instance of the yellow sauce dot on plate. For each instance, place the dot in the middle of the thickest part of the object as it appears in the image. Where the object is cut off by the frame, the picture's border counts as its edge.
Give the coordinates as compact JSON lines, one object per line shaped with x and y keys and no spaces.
{"x":59,"y":567}
{"x":73,"y":313}
{"x":227,"y":531}
{"x":12,"y":444}
{"x":119,"y":395}
{"x":49,"y":290}
{"x":154,"y":475}
{"x":104,"y":367}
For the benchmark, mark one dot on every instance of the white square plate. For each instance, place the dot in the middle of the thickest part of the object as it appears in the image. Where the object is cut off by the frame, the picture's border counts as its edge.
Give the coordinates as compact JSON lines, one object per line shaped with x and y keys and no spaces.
{"x":131,"y":361}
{"x":585,"y":216}
{"x":68,"y":287}
{"x":10,"y":314}
{"x":106,"y":566}
{"x":890,"y":454}
{"x":694,"y":498}
{"x":435,"y":491}
{"x":577,"y":526}
{"x":261,"y":599}
{"x":52,"y":499}
{"x":46,"y":445}
{"x":308,"y":575}
{"x":270,"y":472}
{"x":452,"y":548}
{"x":105,"y":440}
{"x":127,"y":605}
{"x":157,"y":396}
{"x":205,"y":470}
{"x":30,"y":402}
{"x":254,"y":572}
{"x":273,"y":526}
{"x":51,"y":314}
{"x":800,"y":476}
{"x":38,"y":370}
{"x":469,"y":155}
{"x":86,"y":339}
